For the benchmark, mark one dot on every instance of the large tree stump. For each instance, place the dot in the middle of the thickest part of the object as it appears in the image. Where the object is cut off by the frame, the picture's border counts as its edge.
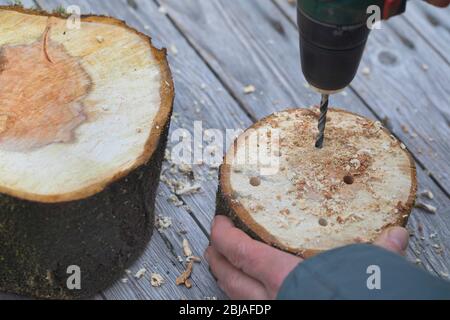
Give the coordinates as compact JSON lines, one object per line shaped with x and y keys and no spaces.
{"x":84,"y":117}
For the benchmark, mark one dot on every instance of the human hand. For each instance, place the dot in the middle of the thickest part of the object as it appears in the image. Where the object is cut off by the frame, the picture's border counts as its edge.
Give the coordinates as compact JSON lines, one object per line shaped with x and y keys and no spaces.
{"x":439,"y":3}
{"x":248,"y":269}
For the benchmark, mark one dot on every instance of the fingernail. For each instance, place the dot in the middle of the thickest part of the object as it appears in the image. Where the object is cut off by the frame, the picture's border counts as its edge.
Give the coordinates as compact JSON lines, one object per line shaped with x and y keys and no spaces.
{"x":399,"y":236}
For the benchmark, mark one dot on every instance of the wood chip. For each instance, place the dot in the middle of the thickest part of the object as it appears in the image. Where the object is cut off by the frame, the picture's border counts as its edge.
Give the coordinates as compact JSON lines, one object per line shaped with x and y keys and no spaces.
{"x":174,"y":49}
{"x":189,"y":189}
{"x":186,"y":248}
{"x":427,"y":193}
{"x":427,"y":207}
{"x":194,"y":259}
{"x":174,"y":199}
{"x":185,"y":275}
{"x":140,"y":273}
{"x":156,"y":280}
{"x":366,"y":71}
{"x":163,"y":223}
{"x":249,"y":89}
{"x":100,"y":39}
{"x":188,"y":284}
{"x":162,"y":10}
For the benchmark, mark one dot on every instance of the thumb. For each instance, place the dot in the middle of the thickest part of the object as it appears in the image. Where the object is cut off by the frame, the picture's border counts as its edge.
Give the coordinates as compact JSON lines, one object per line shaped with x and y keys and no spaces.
{"x":394,"y":239}
{"x":439,"y":3}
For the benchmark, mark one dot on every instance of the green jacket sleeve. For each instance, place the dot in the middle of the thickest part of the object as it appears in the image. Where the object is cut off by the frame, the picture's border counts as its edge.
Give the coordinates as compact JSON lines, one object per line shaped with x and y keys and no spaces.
{"x":361,"y":272}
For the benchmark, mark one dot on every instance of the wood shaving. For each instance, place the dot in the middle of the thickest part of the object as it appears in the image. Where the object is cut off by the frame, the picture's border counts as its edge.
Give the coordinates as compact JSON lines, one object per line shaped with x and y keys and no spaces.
{"x":185,"y":275}
{"x":249,"y":89}
{"x":186,"y":169}
{"x":100,"y":39}
{"x":366,"y":71}
{"x":427,"y":193}
{"x":186,"y":248}
{"x":175,"y":201}
{"x":141,"y":272}
{"x":188,"y":283}
{"x":162,"y":10}
{"x":355,"y":163}
{"x":156,"y":280}
{"x":427,"y":207}
{"x":163,"y":223}
{"x":194,"y":259}
{"x":174,"y":50}
{"x":189,"y":189}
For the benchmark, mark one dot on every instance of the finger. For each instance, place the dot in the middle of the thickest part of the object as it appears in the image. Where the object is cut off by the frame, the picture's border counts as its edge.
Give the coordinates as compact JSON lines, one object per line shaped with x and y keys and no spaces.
{"x":262,"y":262}
{"x":394,"y":239}
{"x":439,"y":3}
{"x":232,"y":281}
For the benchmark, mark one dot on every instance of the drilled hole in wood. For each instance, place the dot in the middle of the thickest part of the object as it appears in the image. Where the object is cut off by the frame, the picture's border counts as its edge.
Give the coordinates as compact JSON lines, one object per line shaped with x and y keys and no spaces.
{"x":348,"y":179}
{"x":255,"y":181}
{"x":323,"y":222}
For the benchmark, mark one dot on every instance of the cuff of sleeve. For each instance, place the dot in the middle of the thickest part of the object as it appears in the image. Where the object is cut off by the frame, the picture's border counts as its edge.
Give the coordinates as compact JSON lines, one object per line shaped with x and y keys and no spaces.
{"x":361,"y":271}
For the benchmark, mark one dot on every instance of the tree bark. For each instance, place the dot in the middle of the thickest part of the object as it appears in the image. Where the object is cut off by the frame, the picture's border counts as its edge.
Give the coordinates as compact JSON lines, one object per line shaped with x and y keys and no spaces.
{"x":103,"y":223}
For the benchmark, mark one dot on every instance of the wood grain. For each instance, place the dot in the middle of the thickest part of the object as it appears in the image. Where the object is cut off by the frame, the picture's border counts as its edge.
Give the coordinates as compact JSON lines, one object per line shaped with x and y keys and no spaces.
{"x":433,"y":24}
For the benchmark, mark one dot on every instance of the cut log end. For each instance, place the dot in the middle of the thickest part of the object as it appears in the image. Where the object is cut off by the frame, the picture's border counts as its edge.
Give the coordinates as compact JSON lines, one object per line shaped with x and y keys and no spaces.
{"x":66,"y":101}
{"x":284,"y":191}
{"x":83,"y":129}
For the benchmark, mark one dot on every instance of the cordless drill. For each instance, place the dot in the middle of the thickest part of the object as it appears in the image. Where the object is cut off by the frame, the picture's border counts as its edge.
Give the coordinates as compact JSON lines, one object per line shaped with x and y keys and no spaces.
{"x":333,"y":35}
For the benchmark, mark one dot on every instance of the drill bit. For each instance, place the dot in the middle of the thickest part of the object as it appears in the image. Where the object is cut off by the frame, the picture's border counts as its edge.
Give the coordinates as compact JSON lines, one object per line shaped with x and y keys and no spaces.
{"x":322,"y":120}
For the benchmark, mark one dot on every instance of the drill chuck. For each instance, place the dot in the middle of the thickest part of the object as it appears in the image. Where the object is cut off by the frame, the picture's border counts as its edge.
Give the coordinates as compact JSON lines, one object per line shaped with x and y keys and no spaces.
{"x":330,"y":54}
{"x":333,"y":35}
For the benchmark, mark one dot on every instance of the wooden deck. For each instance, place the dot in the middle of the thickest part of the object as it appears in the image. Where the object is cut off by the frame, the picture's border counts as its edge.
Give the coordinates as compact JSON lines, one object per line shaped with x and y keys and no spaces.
{"x":217,"y":47}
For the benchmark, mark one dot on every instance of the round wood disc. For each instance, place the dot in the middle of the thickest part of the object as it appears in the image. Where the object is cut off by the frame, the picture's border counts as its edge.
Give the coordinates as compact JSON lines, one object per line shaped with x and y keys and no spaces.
{"x":362,"y":181}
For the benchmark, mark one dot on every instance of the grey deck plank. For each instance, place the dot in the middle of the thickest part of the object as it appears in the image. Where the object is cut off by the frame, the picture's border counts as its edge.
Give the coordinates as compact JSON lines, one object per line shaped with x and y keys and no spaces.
{"x":260,"y":48}
{"x":433,"y":24}
{"x":399,"y":88}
